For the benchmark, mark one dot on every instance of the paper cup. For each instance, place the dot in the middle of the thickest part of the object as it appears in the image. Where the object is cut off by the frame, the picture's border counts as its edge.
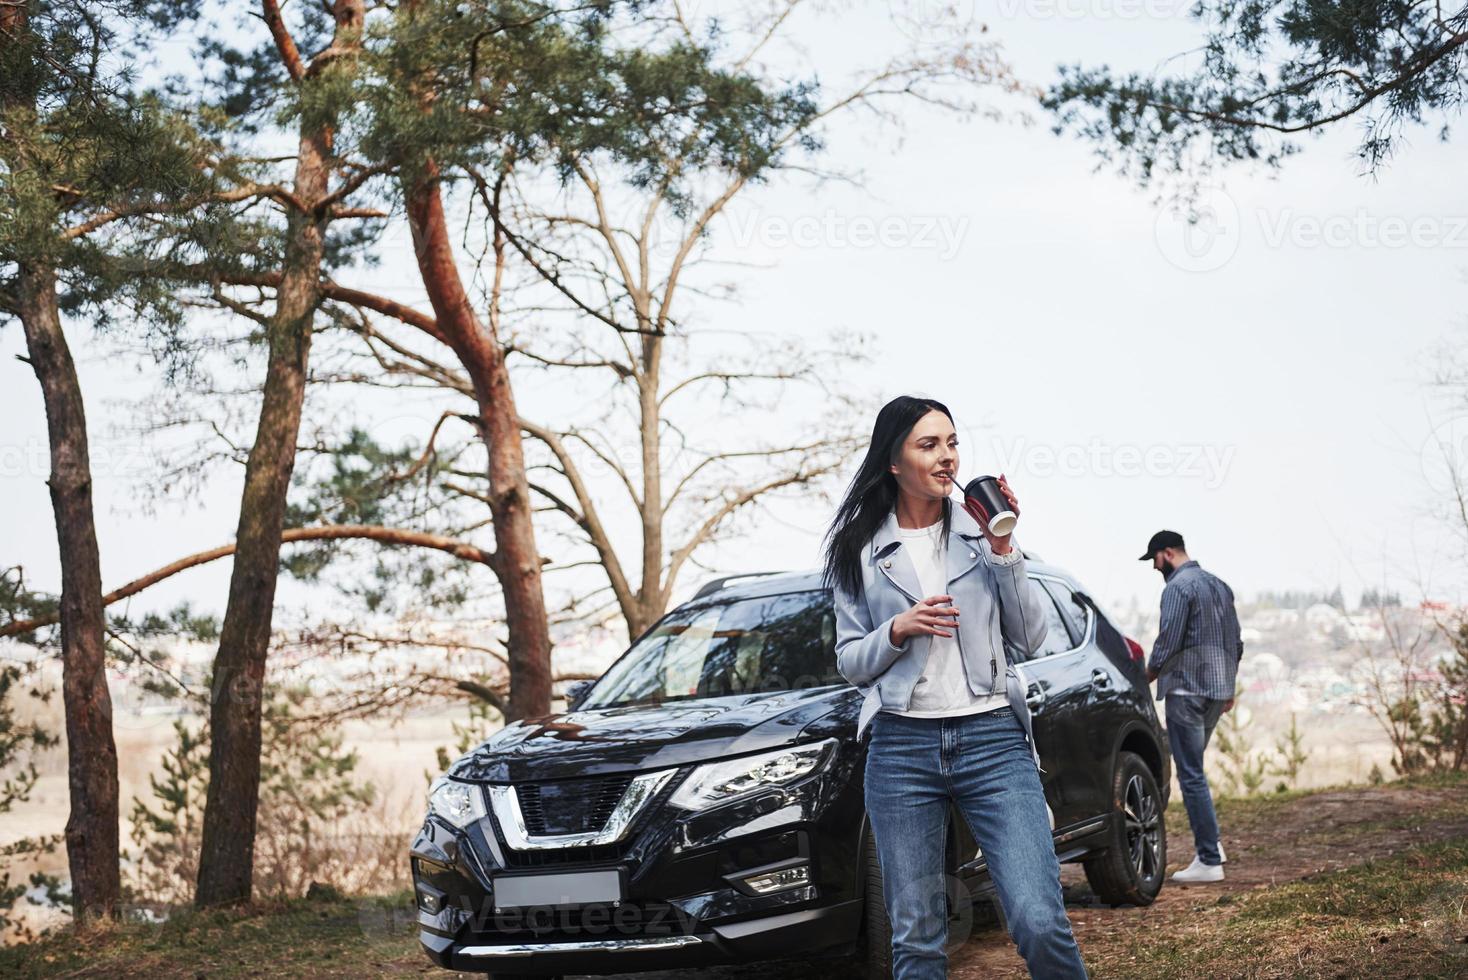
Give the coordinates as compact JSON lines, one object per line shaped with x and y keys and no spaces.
{"x":986,"y":500}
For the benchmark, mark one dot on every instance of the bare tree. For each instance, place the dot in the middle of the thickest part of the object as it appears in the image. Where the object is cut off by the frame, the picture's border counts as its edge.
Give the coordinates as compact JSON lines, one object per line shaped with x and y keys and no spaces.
{"x":683,"y":473}
{"x":1395,"y":673}
{"x":615,"y":257}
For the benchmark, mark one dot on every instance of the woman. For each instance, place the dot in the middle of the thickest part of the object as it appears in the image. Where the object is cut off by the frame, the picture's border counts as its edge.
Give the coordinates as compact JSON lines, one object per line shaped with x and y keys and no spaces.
{"x":948,"y":716}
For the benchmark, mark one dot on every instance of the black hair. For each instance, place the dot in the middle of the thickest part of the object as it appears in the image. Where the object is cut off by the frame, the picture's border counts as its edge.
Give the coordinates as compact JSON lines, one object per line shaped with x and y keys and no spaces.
{"x":873,"y":492}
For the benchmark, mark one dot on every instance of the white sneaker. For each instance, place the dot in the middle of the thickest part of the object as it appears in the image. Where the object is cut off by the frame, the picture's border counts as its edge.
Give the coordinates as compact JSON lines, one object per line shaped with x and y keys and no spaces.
{"x":1198,"y":873}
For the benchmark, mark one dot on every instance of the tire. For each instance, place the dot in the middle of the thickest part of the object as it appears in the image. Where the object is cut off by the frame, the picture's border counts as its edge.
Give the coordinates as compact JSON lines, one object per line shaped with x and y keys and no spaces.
{"x":874,"y":945}
{"x":1132,"y":868}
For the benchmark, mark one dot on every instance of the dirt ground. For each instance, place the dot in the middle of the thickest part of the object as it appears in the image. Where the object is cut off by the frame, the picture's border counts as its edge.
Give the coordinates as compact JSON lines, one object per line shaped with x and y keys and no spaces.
{"x":1273,"y":845}
{"x":1280,"y":851}
{"x":1267,"y":842}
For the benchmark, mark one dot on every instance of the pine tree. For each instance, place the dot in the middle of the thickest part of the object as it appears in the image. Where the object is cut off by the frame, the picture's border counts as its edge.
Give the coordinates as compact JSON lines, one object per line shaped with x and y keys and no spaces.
{"x":319,"y":94}
{"x":1243,"y":770}
{"x":1445,"y":727}
{"x":308,"y":784}
{"x":19,"y":744}
{"x":1290,"y":748}
{"x":98,"y":179}
{"x":1270,"y":72}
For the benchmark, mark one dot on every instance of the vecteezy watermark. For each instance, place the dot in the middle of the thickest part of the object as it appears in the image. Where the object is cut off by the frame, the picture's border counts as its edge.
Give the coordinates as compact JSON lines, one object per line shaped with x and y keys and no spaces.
{"x":1447,"y":917}
{"x":1206,"y":234}
{"x":1093,"y":10}
{"x":1362,"y":229}
{"x":926,"y":19}
{"x":1188,"y":461}
{"x":32,"y":458}
{"x":387,"y":917}
{"x":598,"y":919}
{"x":944,"y":897}
{"x":593,"y":920}
{"x":832,"y":229}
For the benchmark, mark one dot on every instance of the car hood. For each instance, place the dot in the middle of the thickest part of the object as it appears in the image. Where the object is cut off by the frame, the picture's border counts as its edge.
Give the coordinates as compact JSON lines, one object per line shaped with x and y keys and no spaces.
{"x":634,"y":738}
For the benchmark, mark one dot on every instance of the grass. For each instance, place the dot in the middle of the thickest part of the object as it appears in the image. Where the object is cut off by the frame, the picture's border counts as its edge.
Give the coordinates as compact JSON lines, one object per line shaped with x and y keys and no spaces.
{"x":1405,"y":916}
{"x":337,"y":937}
{"x":1247,"y":813}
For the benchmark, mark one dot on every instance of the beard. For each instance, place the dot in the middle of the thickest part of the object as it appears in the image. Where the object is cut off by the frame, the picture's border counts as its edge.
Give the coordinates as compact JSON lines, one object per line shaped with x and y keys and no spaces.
{"x":1167,"y":568}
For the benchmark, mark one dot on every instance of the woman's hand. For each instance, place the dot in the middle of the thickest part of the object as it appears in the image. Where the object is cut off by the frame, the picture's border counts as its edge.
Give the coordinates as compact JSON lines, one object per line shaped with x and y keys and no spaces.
{"x":928,"y":616}
{"x":999,"y":543}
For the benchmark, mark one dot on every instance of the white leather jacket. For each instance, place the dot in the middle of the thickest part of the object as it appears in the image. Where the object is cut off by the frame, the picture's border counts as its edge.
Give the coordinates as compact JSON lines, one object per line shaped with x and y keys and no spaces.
{"x":998,"y":610}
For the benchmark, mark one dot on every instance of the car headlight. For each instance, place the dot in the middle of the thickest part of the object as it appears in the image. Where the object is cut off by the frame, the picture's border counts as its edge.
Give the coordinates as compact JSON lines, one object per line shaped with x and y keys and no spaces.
{"x":718,"y":782}
{"x":459,"y":803}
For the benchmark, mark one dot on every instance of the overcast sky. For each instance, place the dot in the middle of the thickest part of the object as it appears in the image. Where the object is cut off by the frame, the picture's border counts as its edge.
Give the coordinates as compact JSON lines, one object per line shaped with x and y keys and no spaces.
{"x":1258,"y":383}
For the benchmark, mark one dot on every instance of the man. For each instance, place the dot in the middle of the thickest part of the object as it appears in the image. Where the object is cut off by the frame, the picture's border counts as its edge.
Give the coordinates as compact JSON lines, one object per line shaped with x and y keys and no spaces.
{"x":1194,"y":661}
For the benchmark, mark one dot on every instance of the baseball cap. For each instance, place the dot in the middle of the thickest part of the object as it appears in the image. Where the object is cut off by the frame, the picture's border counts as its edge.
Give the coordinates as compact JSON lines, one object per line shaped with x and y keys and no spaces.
{"x":1160,"y":540}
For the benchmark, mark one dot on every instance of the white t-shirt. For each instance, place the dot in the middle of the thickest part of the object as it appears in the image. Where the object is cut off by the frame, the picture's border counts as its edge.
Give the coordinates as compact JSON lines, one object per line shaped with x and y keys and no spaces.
{"x":942,"y":689}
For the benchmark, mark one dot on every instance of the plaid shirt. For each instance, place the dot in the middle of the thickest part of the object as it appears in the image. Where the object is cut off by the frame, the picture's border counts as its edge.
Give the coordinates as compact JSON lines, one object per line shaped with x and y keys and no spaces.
{"x":1198,"y":645}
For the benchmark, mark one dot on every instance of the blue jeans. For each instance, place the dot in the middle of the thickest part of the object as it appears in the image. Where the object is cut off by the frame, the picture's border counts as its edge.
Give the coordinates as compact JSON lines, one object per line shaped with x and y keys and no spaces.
{"x":1190,"y":722}
{"x":914,"y":768}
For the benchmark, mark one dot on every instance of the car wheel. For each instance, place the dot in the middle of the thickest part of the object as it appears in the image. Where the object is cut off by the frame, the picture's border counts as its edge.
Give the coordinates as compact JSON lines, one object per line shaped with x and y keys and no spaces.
{"x":874,"y":946}
{"x":1131,"y":869}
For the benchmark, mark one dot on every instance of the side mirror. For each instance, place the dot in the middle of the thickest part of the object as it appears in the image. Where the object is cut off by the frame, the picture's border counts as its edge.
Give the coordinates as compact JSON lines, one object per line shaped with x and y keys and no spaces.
{"x":575,"y":692}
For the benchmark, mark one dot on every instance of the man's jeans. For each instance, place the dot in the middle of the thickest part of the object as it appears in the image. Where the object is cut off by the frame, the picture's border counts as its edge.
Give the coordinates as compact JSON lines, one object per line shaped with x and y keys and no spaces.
{"x":982,"y":762}
{"x":1190,"y":722}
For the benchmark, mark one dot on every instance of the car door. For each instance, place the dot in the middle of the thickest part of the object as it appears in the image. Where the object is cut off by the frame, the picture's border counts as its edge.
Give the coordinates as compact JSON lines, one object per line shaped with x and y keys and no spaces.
{"x":1099,"y":687}
{"x":1056,"y":692}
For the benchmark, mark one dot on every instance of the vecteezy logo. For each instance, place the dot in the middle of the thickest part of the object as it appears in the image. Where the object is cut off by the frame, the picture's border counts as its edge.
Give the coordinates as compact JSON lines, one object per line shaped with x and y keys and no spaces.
{"x":945,"y":897}
{"x":382,"y":917}
{"x":1201,"y":235}
{"x":1446,"y":917}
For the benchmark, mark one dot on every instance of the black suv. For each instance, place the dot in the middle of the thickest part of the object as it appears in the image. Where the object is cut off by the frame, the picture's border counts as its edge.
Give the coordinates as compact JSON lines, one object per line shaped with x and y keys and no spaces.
{"x":701,"y":802}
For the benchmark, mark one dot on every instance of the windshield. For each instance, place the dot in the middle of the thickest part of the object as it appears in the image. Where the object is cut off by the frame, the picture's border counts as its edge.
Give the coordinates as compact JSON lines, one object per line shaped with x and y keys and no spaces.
{"x":771,"y":643}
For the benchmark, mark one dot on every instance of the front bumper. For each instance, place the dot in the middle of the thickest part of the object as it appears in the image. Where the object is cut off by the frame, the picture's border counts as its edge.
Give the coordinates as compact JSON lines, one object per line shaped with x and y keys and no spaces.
{"x":686,"y":901}
{"x":803,"y":931}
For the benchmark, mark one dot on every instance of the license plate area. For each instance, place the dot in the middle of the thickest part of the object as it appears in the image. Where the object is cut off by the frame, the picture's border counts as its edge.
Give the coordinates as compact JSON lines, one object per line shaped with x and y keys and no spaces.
{"x":559,"y":889}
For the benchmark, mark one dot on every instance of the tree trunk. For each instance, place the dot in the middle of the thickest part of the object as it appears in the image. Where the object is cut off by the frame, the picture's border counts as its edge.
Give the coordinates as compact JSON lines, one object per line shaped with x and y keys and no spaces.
{"x":91,"y":753}
{"x":226,"y":857}
{"x":227,"y":851}
{"x":91,"y":829}
{"x":516,"y":560}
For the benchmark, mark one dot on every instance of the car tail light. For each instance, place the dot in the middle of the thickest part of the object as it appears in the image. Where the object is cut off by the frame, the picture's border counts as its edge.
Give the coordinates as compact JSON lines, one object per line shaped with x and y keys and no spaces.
{"x":1136,"y":648}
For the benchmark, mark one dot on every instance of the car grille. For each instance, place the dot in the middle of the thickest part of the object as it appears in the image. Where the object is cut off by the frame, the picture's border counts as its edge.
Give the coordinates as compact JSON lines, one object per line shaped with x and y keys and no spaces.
{"x":570,"y":806}
{"x":598,"y":796}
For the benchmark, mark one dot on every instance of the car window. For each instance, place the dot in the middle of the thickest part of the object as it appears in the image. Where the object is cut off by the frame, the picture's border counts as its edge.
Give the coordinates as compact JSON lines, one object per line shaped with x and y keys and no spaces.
{"x":680,"y":664}
{"x":1071,"y":608}
{"x":1057,"y":634}
{"x":769,"y":643}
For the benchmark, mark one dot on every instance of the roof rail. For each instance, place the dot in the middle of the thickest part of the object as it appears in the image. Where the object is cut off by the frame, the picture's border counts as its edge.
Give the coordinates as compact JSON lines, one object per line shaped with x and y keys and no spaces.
{"x":714,"y":585}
